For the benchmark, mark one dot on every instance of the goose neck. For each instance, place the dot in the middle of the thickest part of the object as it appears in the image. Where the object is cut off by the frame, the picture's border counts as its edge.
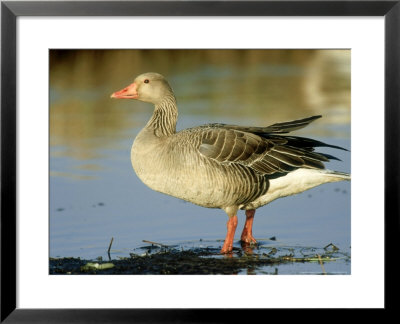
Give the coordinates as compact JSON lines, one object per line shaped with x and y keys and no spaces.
{"x":165,"y":115}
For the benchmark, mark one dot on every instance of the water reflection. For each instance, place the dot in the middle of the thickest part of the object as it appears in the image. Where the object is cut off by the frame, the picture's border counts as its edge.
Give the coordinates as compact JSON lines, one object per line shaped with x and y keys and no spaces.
{"x":91,"y":135}
{"x":257,"y":86}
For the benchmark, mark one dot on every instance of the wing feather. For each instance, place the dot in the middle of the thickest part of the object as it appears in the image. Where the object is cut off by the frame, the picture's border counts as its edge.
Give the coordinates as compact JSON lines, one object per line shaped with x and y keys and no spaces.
{"x":262,"y":148}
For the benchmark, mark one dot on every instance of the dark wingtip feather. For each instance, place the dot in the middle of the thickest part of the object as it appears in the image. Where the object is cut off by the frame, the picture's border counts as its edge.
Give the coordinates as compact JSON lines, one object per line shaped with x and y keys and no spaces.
{"x":330,"y":157}
{"x":311,"y":143}
{"x":313,"y":117}
{"x":285,"y":127}
{"x":334,"y":146}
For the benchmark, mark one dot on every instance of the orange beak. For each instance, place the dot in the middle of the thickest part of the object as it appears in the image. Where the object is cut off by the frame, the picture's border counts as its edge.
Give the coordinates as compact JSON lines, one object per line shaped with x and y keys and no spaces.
{"x":130,"y":92}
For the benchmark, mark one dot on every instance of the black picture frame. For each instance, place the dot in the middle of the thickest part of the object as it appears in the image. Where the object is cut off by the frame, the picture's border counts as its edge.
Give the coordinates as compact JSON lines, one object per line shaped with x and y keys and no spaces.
{"x":10,"y":10}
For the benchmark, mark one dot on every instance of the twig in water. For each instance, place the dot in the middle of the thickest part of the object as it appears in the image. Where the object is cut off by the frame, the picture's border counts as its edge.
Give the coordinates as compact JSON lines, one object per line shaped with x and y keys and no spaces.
{"x":155,"y":243}
{"x":321,"y":263}
{"x":334,"y":247}
{"x":109,"y":247}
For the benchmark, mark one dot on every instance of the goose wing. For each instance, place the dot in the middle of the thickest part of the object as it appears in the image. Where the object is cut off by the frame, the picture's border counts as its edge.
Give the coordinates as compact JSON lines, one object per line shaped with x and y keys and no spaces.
{"x":261,"y":148}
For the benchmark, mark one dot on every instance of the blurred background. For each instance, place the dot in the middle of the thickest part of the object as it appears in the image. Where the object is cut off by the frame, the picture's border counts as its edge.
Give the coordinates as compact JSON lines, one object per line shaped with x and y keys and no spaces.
{"x":94,"y":192}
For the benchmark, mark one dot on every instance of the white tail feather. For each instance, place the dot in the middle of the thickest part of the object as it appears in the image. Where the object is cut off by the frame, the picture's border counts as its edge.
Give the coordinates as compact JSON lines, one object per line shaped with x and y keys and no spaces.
{"x":296,"y":182}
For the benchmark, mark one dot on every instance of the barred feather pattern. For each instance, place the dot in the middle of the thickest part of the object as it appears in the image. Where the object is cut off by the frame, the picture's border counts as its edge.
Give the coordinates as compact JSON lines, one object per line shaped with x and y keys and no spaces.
{"x":163,"y":121}
{"x":263,"y":155}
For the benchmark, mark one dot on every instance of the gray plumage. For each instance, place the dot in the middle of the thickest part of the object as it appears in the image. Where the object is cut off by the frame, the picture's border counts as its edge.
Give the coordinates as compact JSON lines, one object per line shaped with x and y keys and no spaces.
{"x":218,"y":165}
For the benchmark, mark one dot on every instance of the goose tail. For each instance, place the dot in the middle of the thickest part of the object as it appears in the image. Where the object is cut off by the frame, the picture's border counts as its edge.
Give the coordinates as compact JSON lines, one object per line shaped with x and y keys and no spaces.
{"x":338,"y":175}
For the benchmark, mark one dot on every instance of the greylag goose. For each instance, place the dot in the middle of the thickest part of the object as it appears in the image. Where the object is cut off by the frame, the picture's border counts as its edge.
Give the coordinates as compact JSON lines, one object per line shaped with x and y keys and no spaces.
{"x":222,"y":166}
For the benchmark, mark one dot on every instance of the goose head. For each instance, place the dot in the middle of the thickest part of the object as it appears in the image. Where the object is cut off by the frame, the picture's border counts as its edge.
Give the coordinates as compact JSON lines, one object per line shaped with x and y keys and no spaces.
{"x":148,"y":87}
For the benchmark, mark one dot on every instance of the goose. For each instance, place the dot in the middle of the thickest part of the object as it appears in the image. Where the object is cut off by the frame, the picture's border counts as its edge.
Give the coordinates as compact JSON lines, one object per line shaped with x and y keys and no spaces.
{"x":223,"y":166}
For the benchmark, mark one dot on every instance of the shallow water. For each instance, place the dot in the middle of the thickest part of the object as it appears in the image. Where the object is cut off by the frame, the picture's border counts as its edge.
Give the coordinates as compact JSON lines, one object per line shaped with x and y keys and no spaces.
{"x":95,"y":194}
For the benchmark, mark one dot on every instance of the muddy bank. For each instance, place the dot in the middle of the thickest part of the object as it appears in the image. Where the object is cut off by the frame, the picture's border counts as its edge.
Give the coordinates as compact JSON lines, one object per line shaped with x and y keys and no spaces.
{"x":174,"y":260}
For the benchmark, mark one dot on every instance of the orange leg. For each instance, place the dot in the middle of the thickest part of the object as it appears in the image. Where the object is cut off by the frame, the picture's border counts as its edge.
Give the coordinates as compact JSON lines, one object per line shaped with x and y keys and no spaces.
{"x":231,"y":225}
{"x":247,"y":235}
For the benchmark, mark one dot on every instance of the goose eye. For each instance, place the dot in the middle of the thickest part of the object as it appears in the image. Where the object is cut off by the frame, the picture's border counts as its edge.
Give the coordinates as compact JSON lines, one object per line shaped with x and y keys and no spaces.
{"x":146,"y":81}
